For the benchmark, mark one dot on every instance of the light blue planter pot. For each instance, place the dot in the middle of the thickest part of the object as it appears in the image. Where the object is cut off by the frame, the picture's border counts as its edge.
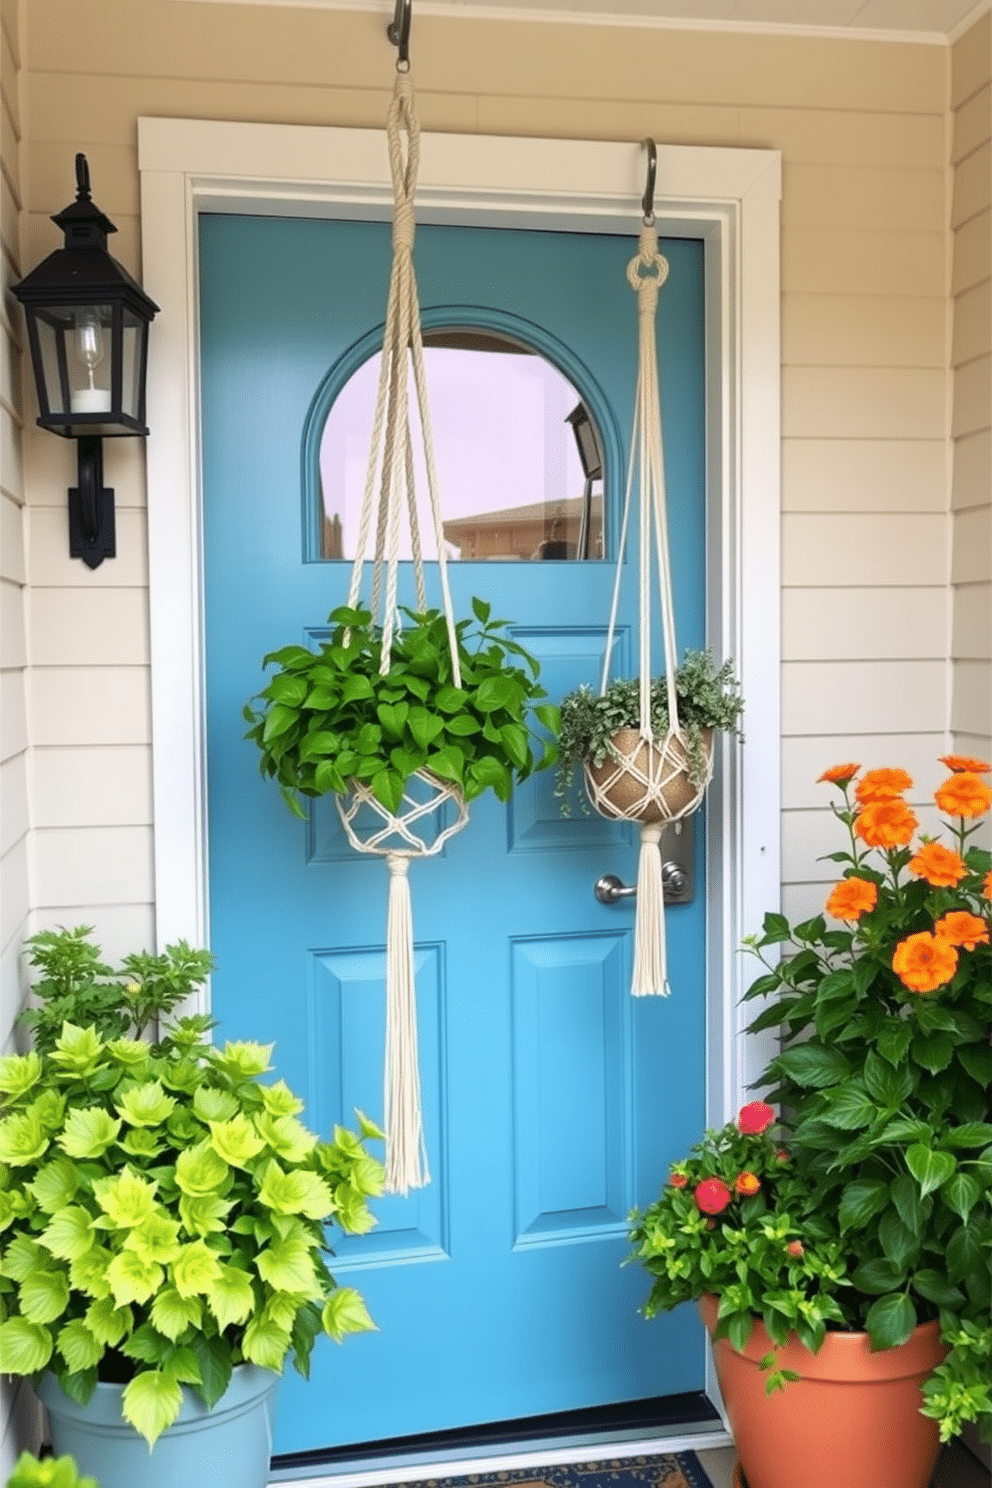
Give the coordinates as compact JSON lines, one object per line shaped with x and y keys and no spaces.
{"x":228,"y":1447}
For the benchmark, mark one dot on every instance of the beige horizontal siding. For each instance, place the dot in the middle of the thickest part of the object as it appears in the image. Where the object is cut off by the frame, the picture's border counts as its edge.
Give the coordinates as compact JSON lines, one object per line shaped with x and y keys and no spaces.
{"x":838,"y":624}
{"x":104,"y":865}
{"x":864,"y":475}
{"x":971,"y":499}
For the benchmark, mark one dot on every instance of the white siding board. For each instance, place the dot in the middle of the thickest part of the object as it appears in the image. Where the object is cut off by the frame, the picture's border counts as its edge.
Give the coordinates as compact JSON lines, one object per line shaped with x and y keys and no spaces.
{"x":14,"y":883}
{"x":972,"y":484}
{"x":100,"y":865}
{"x":13,"y":801}
{"x":971,"y":710}
{"x":12,"y":649}
{"x":857,"y":331}
{"x":972,"y":323}
{"x":871,"y":551}
{"x":13,"y":714}
{"x":883,"y":697}
{"x":848,"y":623}
{"x":102,"y":627}
{"x":52,"y":568}
{"x":972,"y":546}
{"x":973,"y":396}
{"x":92,"y":787}
{"x":118,"y":929}
{"x":864,"y":475}
{"x":813,"y":834}
{"x":805,"y":759}
{"x":11,"y":540}
{"x":11,"y":466}
{"x":863,"y":402}
{"x":89,"y":705}
{"x":972,"y":635}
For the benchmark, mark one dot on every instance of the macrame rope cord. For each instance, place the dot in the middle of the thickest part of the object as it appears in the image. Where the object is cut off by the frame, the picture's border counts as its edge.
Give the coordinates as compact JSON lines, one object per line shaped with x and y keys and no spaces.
{"x":418,"y":827}
{"x":647,"y":783}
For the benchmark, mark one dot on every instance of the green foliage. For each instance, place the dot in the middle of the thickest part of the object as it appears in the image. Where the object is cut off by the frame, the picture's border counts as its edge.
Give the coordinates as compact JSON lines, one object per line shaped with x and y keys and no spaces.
{"x":329,"y":716}
{"x":48,"y":1472}
{"x":708,"y":698}
{"x":76,"y":986}
{"x":162,"y":1215}
{"x":885,"y":1084}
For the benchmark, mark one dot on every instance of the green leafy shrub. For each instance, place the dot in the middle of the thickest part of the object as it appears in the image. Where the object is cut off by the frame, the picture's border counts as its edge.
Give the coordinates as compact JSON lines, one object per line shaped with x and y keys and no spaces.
{"x":708,"y":698}
{"x":162,"y":1214}
{"x":76,"y":986}
{"x":330,"y":716}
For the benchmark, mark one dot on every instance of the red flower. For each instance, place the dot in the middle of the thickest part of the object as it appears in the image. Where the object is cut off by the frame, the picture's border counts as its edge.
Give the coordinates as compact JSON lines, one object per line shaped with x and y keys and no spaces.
{"x":796,"y":1249}
{"x":712,"y":1196}
{"x":781,"y":1155}
{"x":755,"y":1118}
{"x":677,"y":1180}
{"x":747,"y":1184}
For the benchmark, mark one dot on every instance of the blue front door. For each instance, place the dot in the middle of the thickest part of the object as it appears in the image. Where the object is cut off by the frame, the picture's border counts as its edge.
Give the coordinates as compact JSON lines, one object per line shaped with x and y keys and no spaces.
{"x":554,"y":1102}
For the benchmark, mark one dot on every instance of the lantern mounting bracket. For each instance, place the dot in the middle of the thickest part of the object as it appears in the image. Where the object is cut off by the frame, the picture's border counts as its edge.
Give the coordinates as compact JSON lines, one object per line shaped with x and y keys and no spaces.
{"x":92,"y":523}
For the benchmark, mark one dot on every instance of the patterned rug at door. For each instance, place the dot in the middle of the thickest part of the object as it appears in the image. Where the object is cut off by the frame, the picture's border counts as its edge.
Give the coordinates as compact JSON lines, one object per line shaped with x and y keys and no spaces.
{"x":671,"y":1470}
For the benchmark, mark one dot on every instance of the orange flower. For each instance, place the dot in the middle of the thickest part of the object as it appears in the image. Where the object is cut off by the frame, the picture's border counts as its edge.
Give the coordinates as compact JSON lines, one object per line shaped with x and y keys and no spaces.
{"x":963,"y":929}
{"x":882,"y":785}
{"x":886,"y":823}
{"x":964,"y":794}
{"x":796,"y":1249}
{"x":852,"y":898}
{"x":966,"y":762}
{"x":938,"y":865}
{"x":747,"y":1184}
{"x":839,"y":774}
{"x":987,"y":886}
{"x":924,"y":962}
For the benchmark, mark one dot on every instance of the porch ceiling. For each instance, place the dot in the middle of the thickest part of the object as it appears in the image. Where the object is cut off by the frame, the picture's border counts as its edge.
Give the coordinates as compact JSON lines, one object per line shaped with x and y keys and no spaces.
{"x":921,"y":20}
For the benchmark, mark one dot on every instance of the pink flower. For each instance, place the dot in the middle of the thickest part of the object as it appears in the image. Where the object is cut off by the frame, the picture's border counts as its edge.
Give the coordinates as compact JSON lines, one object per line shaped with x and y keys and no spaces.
{"x":755,"y":1118}
{"x":712,"y":1196}
{"x":677,"y":1180}
{"x":796,"y":1249}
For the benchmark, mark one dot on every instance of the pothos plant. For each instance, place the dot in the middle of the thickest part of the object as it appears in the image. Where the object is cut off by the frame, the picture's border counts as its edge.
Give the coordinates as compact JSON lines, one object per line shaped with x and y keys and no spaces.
{"x":885,"y":1084}
{"x":162,"y":1218}
{"x":708,"y":698}
{"x":329,"y":716}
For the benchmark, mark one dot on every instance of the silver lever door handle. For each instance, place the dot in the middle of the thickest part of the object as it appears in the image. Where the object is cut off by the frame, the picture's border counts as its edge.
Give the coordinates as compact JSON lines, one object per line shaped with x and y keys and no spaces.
{"x":610,"y":889}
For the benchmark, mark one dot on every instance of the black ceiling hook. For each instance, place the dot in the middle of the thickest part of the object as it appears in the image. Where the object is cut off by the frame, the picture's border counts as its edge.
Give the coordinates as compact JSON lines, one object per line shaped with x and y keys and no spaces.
{"x":647,"y":202}
{"x":398,"y":32}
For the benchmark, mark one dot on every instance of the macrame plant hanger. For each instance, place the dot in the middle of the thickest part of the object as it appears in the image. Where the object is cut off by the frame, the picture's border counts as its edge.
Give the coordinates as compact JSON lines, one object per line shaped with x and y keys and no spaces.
{"x":648,"y":783}
{"x":416,"y":828}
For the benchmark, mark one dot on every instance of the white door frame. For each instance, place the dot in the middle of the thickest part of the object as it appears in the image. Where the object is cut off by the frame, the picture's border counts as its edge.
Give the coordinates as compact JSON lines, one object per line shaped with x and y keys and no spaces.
{"x":728,"y":197}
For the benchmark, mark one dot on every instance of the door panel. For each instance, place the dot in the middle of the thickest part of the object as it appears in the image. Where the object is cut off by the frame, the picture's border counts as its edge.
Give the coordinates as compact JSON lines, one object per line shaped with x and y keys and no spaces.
{"x":553,"y":1101}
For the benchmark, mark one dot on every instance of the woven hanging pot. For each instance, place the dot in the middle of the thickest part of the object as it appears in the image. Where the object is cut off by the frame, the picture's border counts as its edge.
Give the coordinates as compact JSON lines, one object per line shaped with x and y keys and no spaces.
{"x":645,"y":782}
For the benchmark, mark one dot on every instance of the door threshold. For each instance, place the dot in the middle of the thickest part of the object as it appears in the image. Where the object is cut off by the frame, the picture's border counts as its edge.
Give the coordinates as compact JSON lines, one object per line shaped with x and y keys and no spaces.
{"x":408,"y":1467}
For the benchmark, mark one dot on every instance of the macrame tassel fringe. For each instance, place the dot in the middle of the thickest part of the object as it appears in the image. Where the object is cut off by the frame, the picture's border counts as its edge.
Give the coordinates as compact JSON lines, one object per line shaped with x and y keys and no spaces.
{"x":406,"y":1153}
{"x":650,"y":978}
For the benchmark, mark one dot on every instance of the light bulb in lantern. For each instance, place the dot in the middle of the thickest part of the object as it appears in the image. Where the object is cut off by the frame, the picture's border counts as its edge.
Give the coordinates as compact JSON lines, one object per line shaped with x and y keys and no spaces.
{"x":89,"y":344}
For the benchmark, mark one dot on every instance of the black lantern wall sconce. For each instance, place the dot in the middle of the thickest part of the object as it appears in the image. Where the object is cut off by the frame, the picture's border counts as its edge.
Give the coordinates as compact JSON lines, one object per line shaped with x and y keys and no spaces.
{"x":87,"y":323}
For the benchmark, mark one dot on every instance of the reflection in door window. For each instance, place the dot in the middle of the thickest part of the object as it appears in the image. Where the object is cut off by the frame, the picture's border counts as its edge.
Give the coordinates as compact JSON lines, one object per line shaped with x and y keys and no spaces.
{"x":519,"y":462}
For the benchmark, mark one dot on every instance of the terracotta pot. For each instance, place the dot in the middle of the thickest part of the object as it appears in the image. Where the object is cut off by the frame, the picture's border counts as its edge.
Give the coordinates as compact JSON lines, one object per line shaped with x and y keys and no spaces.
{"x":629,"y":799}
{"x":851,"y":1421}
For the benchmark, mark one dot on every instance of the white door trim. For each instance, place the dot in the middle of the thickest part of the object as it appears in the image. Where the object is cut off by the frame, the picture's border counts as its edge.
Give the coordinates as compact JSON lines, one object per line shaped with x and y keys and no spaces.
{"x":731,"y":199}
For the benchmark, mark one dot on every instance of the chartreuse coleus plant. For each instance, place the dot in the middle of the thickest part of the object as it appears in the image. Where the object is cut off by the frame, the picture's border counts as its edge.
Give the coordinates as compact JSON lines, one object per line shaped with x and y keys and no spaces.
{"x":885,"y":1005}
{"x":329,"y":716}
{"x":48,"y":1472}
{"x":162,"y":1218}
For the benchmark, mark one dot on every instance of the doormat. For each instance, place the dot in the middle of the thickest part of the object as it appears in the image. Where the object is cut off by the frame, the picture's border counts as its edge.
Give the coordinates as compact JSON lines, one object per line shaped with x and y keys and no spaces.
{"x":670,"y":1470}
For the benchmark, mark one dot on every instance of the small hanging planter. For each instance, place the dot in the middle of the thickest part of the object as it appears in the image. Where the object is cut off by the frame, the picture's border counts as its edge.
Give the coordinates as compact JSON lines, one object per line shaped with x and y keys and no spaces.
{"x":405,"y":715}
{"x":647,"y":747}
